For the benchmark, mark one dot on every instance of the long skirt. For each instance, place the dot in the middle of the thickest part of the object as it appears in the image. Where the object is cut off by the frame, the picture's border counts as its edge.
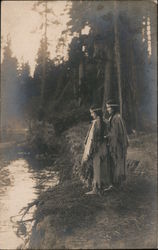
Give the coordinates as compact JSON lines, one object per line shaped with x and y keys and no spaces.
{"x":118,"y":170}
{"x":101,"y":168}
{"x":96,"y":172}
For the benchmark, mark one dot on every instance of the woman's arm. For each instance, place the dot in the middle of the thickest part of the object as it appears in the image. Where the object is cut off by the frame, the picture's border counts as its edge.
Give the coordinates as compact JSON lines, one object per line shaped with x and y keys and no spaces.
{"x":105,"y":120}
{"x":86,"y":138}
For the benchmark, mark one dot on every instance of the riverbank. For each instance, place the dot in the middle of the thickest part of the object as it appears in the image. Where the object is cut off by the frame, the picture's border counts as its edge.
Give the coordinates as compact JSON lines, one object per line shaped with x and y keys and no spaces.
{"x":124,"y":218}
{"x":22,"y":180}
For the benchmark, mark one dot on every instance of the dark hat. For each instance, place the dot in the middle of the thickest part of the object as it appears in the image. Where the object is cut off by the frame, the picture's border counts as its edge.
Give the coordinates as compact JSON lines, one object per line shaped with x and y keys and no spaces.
{"x":112,"y":103}
{"x":96,"y":109}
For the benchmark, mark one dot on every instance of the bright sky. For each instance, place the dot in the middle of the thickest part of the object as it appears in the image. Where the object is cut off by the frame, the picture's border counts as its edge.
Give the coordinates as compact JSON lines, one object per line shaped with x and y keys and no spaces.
{"x":22,"y":23}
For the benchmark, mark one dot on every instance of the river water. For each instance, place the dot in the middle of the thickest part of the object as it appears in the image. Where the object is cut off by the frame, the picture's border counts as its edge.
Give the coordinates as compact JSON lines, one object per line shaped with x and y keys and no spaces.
{"x":20,"y":184}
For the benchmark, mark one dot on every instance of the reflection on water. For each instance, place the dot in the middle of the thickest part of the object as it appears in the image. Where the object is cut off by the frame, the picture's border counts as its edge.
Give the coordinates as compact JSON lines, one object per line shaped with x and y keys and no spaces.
{"x":19,"y":185}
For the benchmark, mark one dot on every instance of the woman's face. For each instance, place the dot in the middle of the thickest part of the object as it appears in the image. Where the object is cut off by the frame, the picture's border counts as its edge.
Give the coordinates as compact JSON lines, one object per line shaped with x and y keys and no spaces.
{"x":93,"y":114}
{"x":109,"y":109}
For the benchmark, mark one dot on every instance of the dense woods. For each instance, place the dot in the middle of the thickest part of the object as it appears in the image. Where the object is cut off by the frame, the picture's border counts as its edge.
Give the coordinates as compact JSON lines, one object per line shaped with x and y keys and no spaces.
{"x":115,"y":59}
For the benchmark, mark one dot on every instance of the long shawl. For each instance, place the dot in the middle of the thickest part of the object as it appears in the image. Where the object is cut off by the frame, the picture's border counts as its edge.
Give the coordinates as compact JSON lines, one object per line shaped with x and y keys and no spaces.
{"x":92,"y":140}
{"x":118,"y":143}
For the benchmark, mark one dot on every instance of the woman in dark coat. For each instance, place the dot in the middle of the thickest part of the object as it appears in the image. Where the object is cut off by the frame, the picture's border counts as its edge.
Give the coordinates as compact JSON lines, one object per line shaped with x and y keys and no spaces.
{"x":117,"y":142}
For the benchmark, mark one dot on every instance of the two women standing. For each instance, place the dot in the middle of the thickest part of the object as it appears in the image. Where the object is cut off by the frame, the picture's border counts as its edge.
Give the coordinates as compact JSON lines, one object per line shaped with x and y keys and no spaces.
{"x":106,"y":144}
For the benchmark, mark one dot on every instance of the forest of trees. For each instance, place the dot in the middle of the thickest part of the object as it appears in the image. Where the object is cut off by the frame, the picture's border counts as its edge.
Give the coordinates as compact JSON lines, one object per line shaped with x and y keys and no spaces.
{"x":116,"y":59}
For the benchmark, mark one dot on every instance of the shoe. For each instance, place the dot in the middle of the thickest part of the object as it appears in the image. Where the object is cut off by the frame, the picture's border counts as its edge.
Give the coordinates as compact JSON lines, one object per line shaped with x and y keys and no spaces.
{"x":92,"y":192}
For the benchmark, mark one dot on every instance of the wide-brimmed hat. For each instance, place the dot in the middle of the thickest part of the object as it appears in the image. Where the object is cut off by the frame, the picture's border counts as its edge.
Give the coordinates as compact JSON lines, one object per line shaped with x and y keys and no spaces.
{"x":96,"y":109}
{"x":112,"y":103}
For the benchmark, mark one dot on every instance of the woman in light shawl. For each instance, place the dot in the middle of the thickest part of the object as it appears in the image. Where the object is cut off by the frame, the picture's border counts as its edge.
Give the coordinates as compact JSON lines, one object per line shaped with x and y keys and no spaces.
{"x":93,"y":149}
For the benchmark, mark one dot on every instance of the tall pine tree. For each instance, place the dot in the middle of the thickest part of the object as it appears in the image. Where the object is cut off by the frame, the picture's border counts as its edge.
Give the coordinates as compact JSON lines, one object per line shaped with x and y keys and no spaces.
{"x":9,"y":87}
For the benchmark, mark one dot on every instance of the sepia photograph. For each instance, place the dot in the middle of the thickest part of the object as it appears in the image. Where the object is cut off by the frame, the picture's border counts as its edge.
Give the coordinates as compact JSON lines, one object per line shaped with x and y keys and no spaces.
{"x":78,"y":124}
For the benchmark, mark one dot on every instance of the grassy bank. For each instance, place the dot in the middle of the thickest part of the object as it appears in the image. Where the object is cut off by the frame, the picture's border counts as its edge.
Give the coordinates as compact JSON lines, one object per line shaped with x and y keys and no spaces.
{"x":124,"y":218}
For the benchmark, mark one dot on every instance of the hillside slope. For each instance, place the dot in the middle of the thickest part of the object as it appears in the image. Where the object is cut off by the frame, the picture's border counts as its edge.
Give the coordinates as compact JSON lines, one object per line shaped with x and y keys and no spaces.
{"x":124,"y":218}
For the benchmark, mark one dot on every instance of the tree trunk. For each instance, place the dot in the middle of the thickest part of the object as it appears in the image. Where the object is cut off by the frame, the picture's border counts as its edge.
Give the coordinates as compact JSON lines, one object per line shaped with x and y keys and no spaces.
{"x":107,"y":79}
{"x":135,"y":95}
{"x":81,"y":75}
{"x":44,"y":56}
{"x":117,"y":54}
{"x":74,"y":82}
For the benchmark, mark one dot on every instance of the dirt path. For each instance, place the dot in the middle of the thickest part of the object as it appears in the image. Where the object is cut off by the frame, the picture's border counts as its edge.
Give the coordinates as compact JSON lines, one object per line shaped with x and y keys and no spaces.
{"x":128,"y":216}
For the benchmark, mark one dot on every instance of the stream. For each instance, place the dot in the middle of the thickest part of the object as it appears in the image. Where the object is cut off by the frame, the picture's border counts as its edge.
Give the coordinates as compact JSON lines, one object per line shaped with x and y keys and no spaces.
{"x":20,"y":184}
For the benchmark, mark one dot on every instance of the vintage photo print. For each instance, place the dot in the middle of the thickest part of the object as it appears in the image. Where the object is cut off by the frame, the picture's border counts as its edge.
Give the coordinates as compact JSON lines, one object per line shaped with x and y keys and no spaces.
{"x":78,"y":124}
